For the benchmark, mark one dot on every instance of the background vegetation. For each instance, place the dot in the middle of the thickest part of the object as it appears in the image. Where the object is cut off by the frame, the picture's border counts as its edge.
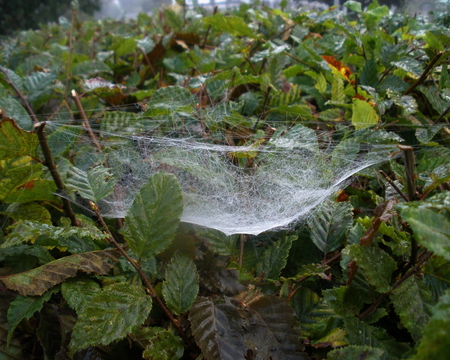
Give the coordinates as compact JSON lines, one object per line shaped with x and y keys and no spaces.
{"x":365,"y":277}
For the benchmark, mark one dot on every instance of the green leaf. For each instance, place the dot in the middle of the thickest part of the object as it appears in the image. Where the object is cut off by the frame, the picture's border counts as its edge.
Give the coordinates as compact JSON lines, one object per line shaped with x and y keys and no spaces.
{"x":376,"y":263}
{"x":321,"y":84}
{"x":369,"y":74}
{"x":14,"y":110}
{"x":330,"y":225}
{"x":79,"y":293}
{"x":37,"y":281}
{"x":217,"y":329}
{"x":337,"y":89}
{"x":344,"y":300}
{"x":29,"y":231}
{"x":153,"y":218}
{"x":181,"y":285}
{"x":356,"y":352}
{"x":123,"y":46}
{"x":15,"y":142}
{"x":354,"y":6}
{"x":218,"y":241}
{"x":364,"y":114}
{"x":17,"y":174}
{"x":412,"y":301}
{"x":275,"y":258}
{"x":161,"y":344}
{"x":23,"y":308}
{"x":311,"y":310}
{"x":94,"y":185}
{"x":430,"y":222}
{"x":31,"y":211}
{"x":36,"y":190}
{"x":111,"y":315}
{"x":231,"y":24}
{"x":434,"y":343}
{"x":410,"y":65}
{"x":437,"y":275}
{"x":361,"y":334}
{"x":91,"y":68}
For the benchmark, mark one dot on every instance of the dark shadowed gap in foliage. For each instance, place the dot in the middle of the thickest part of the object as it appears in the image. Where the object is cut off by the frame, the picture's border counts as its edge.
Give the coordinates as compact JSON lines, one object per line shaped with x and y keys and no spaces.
{"x":30,"y":14}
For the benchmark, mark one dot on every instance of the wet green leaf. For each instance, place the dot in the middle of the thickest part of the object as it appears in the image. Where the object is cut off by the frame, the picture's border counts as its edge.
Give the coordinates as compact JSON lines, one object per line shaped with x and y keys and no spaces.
{"x":111,"y":315}
{"x":412,"y":302}
{"x":153,"y":218}
{"x":180,"y":287}
{"x":231,"y":24}
{"x":364,"y":114}
{"x":37,"y":281}
{"x":94,"y":185}
{"x":376,"y":264}
{"x":274,"y":258}
{"x":430,"y":222}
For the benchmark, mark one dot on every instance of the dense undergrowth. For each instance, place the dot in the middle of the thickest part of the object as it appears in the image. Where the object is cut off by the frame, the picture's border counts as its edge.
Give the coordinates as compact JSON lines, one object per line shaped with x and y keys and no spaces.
{"x":364,"y":277}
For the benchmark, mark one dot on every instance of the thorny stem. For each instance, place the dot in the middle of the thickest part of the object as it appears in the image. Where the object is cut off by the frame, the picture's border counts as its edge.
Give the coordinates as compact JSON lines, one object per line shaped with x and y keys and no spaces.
{"x":85,"y":121}
{"x":396,"y":285}
{"x":54,"y":172}
{"x":327,"y":262}
{"x":149,"y":287}
{"x":411,"y":187}
{"x":25,"y":102}
{"x":389,"y":180}
{"x":424,"y":75}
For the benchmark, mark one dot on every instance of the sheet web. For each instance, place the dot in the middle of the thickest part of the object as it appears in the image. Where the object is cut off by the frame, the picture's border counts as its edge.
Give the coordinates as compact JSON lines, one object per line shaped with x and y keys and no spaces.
{"x":234,"y":178}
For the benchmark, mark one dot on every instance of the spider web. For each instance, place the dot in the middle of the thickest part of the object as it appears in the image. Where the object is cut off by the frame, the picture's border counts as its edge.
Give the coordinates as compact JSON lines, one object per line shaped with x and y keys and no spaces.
{"x":234,"y":179}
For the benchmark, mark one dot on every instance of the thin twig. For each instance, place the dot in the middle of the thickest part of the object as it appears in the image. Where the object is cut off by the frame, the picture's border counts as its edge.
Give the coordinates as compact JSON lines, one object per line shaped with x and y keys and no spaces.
{"x":243,"y":239}
{"x":396,"y":285}
{"x":19,"y":93}
{"x":148,"y":62}
{"x":263,"y":115}
{"x":85,"y":120}
{"x":54,"y":172}
{"x":424,"y":75}
{"x":442,"y":115}
{"x":209,"y":28}
{"x":410,"y":178}
{"x":392,"y":183}
{"x":149,"y":287}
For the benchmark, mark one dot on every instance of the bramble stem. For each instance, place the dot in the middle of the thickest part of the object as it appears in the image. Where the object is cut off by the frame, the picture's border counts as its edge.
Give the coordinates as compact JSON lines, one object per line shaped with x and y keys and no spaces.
{"x":149,"y":287}
{"x":424,"y":75}
{"x":396,"y":285}
{"x":54,"y":172}
{"x":85,"y":121}
{"x":389,"y":180}
{"x":410,"y":179}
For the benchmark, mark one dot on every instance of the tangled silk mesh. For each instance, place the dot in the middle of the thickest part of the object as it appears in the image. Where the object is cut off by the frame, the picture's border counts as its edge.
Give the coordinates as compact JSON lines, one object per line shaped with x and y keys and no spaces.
{"x":268,"y":183}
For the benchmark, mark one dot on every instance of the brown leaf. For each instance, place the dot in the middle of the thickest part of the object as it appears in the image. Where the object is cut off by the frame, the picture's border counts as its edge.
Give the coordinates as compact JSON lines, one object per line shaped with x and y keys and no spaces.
{"x":339,"y":66}
{"x":37,"y":281}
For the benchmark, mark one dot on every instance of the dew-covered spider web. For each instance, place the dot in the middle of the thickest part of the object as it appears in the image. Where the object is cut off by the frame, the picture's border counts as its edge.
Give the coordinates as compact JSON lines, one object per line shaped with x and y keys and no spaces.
{"x":239,"y":174}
